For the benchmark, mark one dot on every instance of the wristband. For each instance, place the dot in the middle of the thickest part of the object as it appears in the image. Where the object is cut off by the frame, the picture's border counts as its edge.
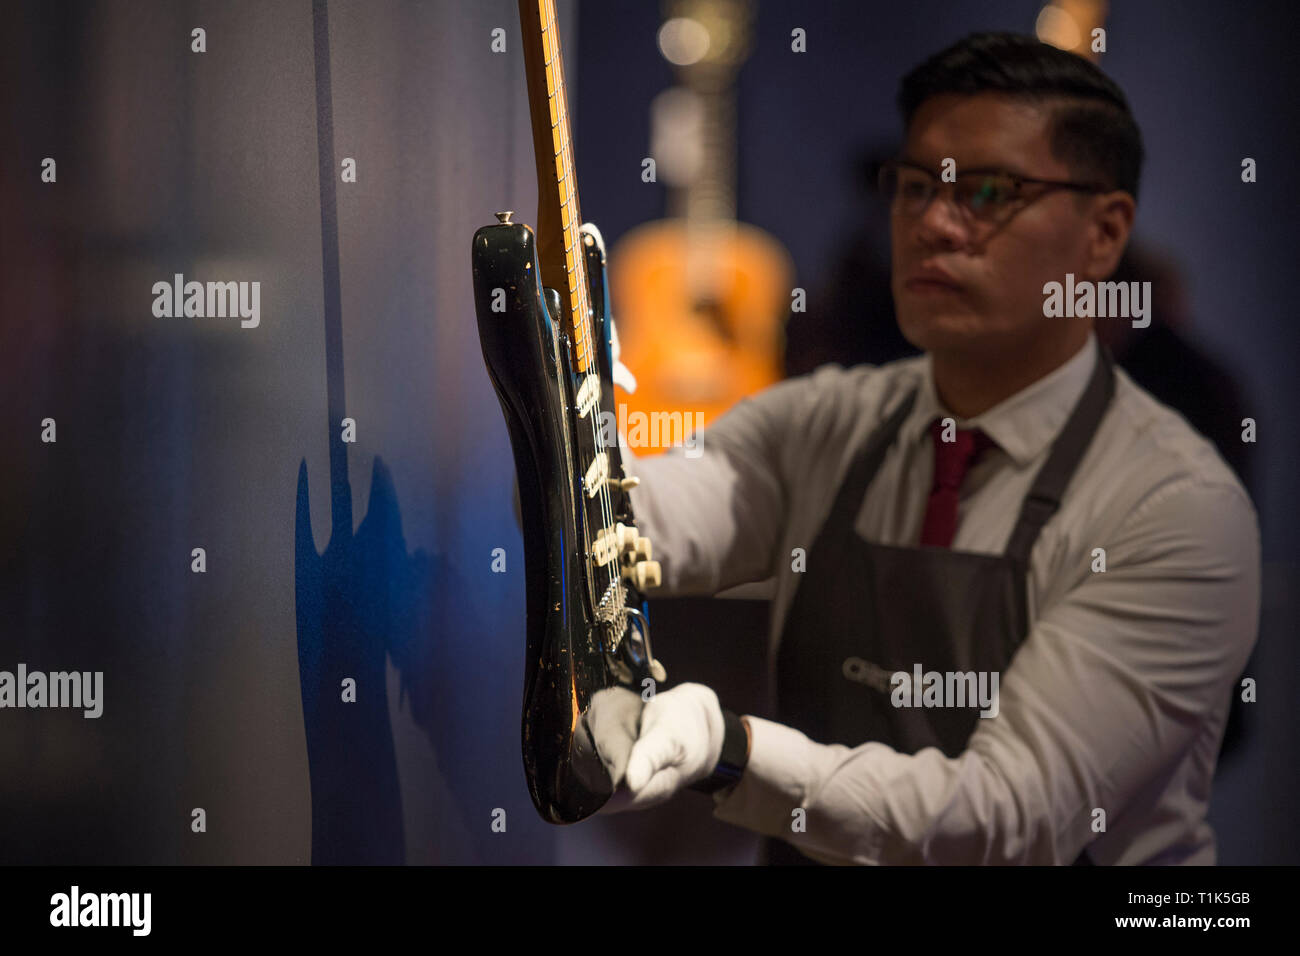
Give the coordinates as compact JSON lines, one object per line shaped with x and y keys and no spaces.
{"x":732,"y":760}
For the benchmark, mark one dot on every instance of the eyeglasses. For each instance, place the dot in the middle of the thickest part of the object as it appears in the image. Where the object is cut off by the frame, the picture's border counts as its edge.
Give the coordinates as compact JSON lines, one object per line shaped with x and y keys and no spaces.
{"x":982,"y":195}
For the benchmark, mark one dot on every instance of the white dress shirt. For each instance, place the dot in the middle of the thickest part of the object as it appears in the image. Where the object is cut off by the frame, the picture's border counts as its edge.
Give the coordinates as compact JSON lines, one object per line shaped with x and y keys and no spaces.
{"x":1115,"y":702}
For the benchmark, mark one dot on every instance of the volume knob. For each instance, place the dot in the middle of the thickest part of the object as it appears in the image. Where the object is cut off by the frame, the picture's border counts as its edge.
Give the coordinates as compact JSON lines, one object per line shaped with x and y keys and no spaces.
{"x":647,"y":575}
{"x":627,"y":537}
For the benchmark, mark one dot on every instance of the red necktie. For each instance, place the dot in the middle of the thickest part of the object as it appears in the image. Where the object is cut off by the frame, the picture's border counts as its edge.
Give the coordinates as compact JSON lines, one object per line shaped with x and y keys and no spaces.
{"x":952,"y":459}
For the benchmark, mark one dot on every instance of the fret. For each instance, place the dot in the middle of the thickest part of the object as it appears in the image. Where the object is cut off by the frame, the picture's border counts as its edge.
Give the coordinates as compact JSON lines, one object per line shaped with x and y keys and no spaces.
{"x":559,"y":168}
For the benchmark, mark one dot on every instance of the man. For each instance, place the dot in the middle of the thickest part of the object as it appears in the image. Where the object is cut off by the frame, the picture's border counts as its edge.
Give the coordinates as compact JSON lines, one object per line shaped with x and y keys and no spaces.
{"x":1012,"y":591}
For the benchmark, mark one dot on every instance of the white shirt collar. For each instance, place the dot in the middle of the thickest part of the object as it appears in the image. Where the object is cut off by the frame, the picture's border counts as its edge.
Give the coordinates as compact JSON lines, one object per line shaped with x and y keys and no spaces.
{"x":1022,"y":424}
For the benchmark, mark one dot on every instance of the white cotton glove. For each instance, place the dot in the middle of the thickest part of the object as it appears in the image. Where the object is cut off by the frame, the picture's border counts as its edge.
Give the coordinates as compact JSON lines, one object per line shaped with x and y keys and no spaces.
{"x":612,"y":719}
{"x":679,"y":742}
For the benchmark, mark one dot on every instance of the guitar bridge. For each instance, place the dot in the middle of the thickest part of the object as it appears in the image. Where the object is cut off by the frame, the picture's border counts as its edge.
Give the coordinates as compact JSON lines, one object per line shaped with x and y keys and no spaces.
{"x":611,"y":611}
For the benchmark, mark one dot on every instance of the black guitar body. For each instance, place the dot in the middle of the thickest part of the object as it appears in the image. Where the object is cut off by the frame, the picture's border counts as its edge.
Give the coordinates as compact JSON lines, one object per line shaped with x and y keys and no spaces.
{"x":571,"y":651}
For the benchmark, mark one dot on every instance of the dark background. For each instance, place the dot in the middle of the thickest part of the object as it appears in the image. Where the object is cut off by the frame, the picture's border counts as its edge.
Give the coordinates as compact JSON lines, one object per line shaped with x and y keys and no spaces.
{"x":183,"y":433}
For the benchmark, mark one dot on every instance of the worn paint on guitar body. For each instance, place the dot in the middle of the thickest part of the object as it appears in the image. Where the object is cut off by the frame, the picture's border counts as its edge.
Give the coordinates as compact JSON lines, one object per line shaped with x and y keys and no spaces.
{"x":529,"y":362}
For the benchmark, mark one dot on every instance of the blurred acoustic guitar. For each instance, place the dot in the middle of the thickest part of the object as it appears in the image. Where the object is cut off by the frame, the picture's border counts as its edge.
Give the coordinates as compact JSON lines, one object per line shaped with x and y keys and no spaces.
{"x":700,"y":299}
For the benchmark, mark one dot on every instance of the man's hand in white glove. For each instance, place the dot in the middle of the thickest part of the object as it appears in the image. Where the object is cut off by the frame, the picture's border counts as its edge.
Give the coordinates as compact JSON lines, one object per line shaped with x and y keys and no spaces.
{"x":679,"y":742}
{"x":612,"y":719}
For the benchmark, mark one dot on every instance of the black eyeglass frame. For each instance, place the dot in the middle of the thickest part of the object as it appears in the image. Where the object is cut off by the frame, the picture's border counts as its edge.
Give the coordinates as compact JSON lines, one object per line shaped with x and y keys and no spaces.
{"x":1017,"y":179}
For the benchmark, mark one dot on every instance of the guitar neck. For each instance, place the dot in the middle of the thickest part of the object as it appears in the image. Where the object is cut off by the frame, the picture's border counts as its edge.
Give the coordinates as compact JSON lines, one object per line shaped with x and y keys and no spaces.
{"x":558,"y":218}
{"x":710,"y":196}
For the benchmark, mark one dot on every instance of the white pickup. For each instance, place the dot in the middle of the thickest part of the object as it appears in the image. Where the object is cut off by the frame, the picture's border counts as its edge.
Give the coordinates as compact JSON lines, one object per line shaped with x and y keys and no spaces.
{"x":588,"y":394}
{"x":597,"y":474}
{"x":621,"y":539}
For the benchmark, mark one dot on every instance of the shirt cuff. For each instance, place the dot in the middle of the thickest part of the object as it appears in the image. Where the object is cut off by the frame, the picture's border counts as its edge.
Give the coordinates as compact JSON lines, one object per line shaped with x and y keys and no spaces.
{"x":773,"y":784}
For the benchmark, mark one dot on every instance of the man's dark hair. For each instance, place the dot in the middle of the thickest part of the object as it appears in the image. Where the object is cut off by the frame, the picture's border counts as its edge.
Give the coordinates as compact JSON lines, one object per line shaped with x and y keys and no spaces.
{"x":1092,"y":128}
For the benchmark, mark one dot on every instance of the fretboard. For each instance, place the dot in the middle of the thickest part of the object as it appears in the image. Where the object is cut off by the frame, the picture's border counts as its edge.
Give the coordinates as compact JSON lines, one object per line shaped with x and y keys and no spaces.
{"x":559,"y":248}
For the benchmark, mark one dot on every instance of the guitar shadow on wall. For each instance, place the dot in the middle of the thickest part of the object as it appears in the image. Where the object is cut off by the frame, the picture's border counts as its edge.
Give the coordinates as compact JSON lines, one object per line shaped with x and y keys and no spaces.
{"x":344,"y":629}
{"x":365,"y":599}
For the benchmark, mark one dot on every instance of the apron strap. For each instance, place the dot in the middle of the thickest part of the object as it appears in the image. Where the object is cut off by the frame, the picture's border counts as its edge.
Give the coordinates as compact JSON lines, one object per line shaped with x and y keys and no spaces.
{"x":1049,"y":485}
{"x":844,"y":512}
{"x":1067,"y":450}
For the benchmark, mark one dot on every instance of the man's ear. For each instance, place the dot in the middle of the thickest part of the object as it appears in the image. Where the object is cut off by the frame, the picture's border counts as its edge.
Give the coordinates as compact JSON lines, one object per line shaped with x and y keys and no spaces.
{"x":1110,"y":222}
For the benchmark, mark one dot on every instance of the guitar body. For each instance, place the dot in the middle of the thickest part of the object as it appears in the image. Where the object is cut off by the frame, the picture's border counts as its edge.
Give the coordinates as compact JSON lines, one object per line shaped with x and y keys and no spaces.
{"x":573,"y":651}
{"x":544,"y":326}
{"x":692,"y":350}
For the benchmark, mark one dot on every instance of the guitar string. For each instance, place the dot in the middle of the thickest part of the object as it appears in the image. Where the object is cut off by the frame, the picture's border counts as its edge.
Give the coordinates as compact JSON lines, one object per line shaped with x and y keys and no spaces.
{"x":572,"y":230}
{"x":550,"y":53}
{"x":584,"y":310}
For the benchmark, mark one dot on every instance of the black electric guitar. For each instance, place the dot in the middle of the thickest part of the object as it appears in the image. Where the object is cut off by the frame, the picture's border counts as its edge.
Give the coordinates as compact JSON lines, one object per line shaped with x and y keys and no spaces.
{"x":543,"y":320}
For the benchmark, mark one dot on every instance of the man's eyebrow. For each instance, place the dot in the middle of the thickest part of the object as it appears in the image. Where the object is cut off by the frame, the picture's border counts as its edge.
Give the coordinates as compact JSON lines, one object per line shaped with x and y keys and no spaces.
{"x":1011,"y":170}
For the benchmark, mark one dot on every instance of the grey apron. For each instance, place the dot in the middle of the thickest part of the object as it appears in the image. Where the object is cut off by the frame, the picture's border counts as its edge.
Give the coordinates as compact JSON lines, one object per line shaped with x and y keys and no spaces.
{"x":863,"y":611}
